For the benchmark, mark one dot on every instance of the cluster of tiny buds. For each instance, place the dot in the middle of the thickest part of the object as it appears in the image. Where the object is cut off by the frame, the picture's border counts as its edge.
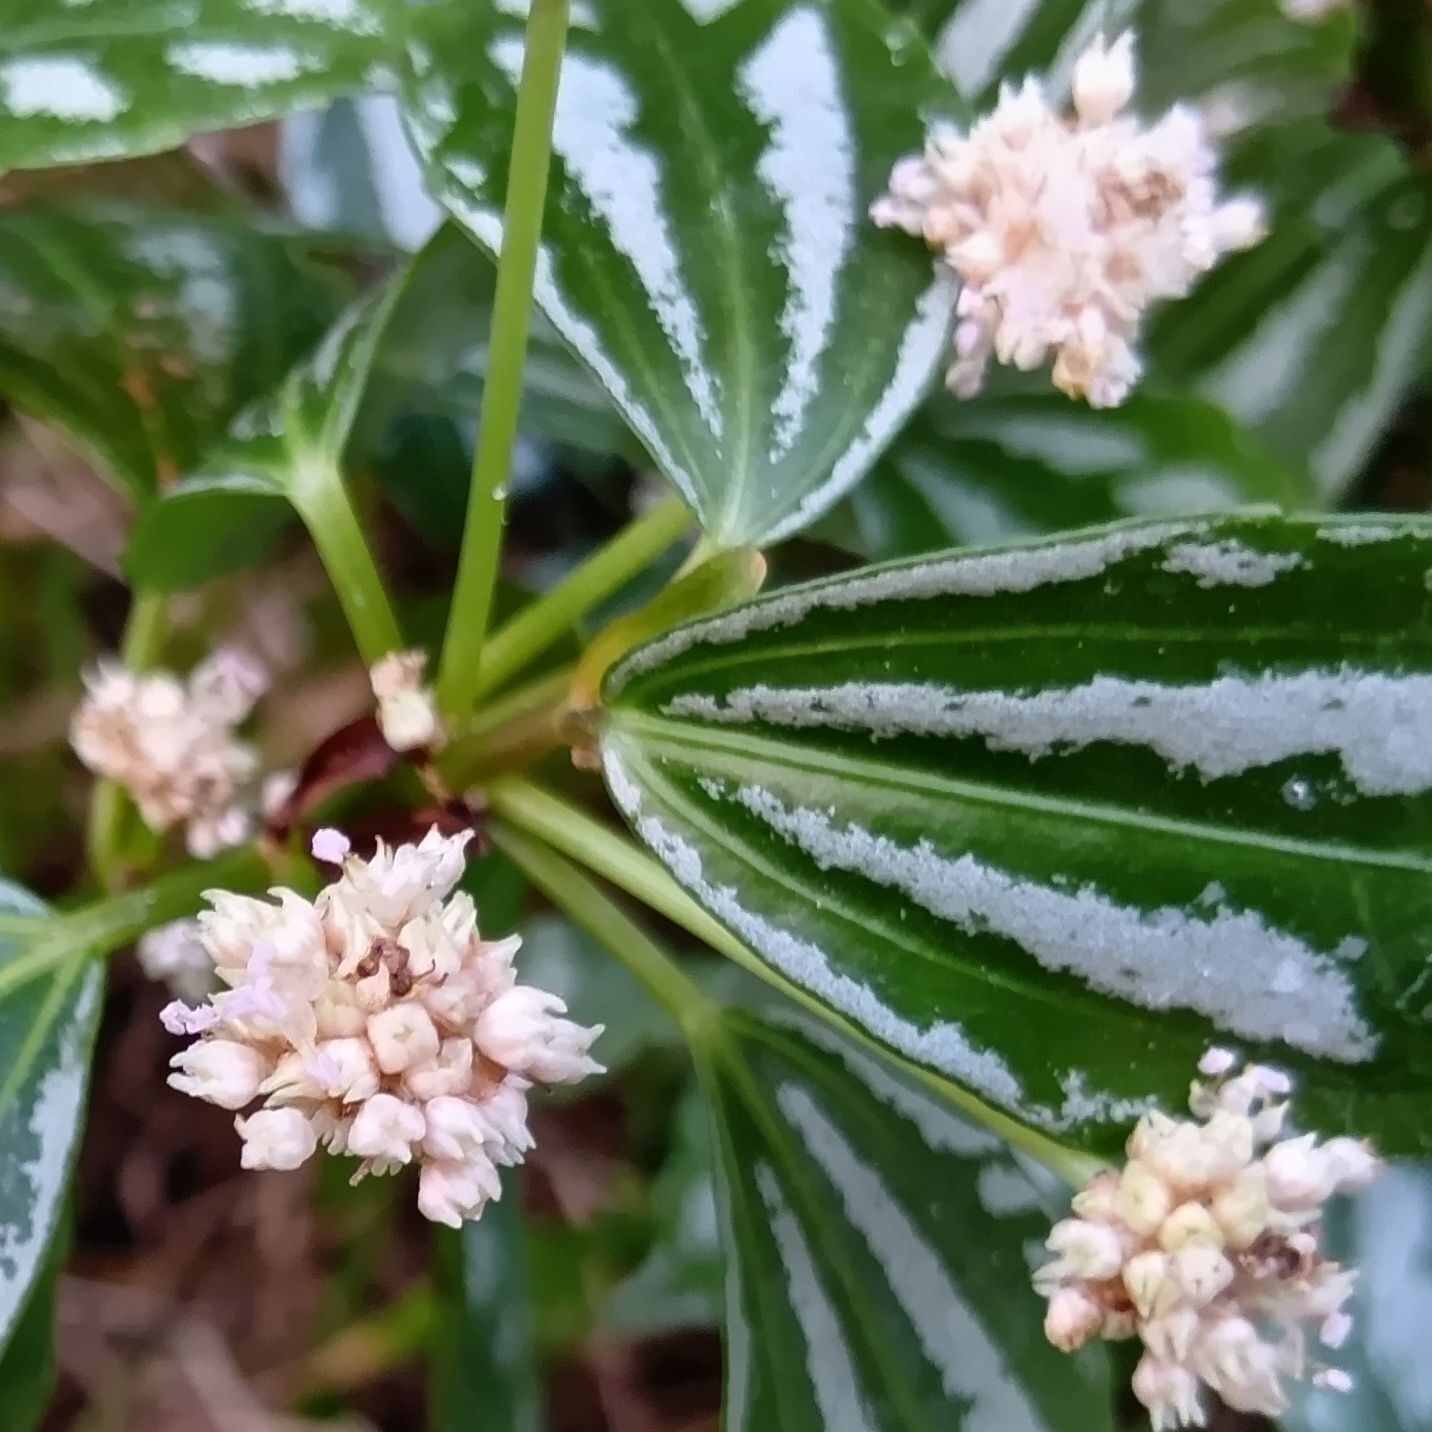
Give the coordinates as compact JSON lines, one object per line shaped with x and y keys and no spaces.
{"x":376,"y":1022}
{"x":407,"y":714}
{"x":1206,"y":1246}
{"x":1064,"y":230}
{"x":171,"y":743}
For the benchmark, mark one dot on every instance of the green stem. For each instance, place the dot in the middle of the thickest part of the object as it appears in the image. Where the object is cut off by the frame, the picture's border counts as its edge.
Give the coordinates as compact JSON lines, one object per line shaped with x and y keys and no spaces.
{"x":607,"y":923}
{"x":322,"y":501}
{"x":536,"y":627}
{"x":458,"y":674}
{"x":611,"y":855}
{"x":143,"y":639}
{"x":574,"y":833}
{"x":514,"y":730}
{"x":108,"y":925}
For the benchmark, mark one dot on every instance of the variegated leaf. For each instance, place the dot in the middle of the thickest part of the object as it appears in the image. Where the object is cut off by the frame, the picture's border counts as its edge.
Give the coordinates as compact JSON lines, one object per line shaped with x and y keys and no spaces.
{"x":417,"y":345}
{"x":706,"y":247}
{"x":877,"y":1251}
{"x":104,"y":78}
{"x":279,"y":453}
{"x":48,"y":1014}
{"x":1047,"y":820}
{"x":140,"y":332}
{"x":1005,"y":467}
{"x":1316,"y":337}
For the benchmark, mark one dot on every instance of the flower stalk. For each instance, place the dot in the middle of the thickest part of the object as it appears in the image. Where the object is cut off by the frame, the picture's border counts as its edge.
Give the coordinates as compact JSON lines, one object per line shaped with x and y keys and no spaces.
{"x":322,"y":501}
{"x":537,"y":626}
{"x":459,"y":673}
{"x":605,"y":921}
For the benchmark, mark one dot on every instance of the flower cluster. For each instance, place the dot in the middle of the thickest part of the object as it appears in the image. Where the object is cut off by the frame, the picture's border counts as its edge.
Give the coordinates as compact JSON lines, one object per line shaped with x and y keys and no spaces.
{"x":1206,"y":1246}
{"x":175,"y":955}
{"x":407,"y":716}
{"x":171,"y":744}
{"x":1064,"y":231}
{"x":375,"y":1021}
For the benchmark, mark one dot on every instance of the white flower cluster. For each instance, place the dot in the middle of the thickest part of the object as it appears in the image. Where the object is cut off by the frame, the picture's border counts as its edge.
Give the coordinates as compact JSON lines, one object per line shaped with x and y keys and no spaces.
{"x":175,"y":954}
{"x":1064,"y":231}
{"x":375,"y":1021}
{"x":1206,"y":1246}
{"x":171,"y":744}
{"x":407,"y":716}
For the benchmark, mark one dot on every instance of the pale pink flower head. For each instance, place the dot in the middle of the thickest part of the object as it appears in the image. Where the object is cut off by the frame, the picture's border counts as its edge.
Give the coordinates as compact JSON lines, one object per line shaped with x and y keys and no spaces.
{"x":407,"y":715}
{"x":1065,"y":230}
{"x":172,"y":744}
{"x":375,"y":1021}
{"x":1206,"y":1246}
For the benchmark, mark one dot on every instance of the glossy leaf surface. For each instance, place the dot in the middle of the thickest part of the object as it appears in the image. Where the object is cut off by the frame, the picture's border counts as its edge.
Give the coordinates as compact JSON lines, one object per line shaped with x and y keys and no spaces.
{"x":706,"y":247}
{"x":1049,"y":820}
{"x":140,"y":333}
{"x":1022,"y":466}
{"x":876,"y":1252}
{"x":118,"y":77}
{"x":48,"y":1013}
{"x":277,"y":453}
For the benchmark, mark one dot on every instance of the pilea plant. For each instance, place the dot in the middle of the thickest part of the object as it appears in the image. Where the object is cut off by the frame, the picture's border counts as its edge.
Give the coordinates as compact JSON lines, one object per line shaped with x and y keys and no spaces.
{"x":1022,"y":754}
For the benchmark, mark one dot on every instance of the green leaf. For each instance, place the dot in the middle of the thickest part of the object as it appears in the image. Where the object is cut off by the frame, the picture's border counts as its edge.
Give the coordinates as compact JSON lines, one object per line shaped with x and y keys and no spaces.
{"x":141,"y":332}
{"x":225,"y":514}
{"x":1049,"y":820}
{"x":678,"y":1283}
{"x":876,"y":1251}
{"x":109,"y":78}
{"x":416,"y":345}
{"x":486,"y":1370}
{"x":48,"y":1013}
{"x":1386,"y":1233}
{"x":997,"y":468}
{"x":433,"y":358}
{"x":27,"y":1364}
{"x":1316,"y":337}
{"x":706,"y":249}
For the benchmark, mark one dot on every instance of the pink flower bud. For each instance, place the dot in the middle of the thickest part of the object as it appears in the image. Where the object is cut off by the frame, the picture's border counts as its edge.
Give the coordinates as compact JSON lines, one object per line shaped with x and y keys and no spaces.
{"x":221,"y":1071}
{"x":1072,"y":1318}
{"x":1144,"y":1199}
{"x":1104,"y":80}
{"x":456,"y":1131}
{"x":452,"y":1192}
{"x":276,"y":1138}
{"x":386,"y":1129}
{"x":1169,"y":1391}
{"x":402,"y":1035}
{"x":521,"y":1031}
{"x":1087,"y":1250}
{"x":1189,"y":1223}
{"x":1147,"y":1282}
{"x":1201,"y":1272}
{"x":330,"y":846}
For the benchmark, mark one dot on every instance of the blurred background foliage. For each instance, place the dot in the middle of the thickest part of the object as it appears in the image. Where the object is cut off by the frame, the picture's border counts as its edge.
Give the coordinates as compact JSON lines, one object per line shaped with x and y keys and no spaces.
{"x":1298,"y":375}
